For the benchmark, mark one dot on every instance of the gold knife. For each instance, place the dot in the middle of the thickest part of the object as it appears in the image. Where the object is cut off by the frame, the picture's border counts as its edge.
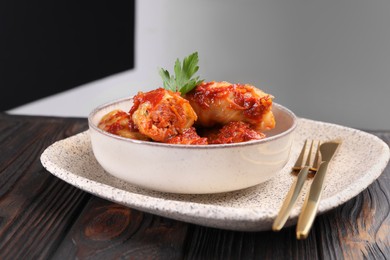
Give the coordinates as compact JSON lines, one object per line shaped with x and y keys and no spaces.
{"x":310,"y":206}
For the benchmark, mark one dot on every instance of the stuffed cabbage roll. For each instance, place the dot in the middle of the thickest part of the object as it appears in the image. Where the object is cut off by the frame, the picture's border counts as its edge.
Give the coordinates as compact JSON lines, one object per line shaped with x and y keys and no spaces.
{"x":232,"y":132}
{"x":117,"y":122}
{"x":189,"y":136}
{"x":218,"y":103}
{"x":161,"y":114}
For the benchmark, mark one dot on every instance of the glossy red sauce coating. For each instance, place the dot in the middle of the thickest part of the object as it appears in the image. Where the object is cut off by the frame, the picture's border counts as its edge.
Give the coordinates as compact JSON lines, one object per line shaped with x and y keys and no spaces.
{"x":254,"y":108}
{"x":228,"y":113}
{"x":153,"y":97}
{"x":189,"y":136}
{"x":240,"y":96}
{"x":234,"y":132}
{"x":205,"y":95}
{"x":161,"y":114}
{"x":115,"y":122}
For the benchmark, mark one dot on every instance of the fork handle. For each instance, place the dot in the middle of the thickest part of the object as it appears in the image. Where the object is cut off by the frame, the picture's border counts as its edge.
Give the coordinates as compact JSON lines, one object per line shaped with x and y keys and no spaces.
{"x":290,"y":199}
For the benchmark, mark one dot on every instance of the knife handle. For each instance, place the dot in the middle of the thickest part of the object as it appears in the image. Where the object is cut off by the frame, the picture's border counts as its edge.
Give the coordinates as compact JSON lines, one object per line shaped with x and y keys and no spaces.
{"x":290,"y":199}
{"x":310,"y":206}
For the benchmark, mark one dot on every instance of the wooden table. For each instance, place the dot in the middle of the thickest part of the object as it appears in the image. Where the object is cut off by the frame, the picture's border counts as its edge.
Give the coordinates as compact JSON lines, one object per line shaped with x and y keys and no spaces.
{"x":43,"y":217}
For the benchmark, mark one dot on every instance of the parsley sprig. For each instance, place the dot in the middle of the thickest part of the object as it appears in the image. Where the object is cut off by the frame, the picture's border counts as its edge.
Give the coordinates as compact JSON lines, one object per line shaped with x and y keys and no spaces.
{"x":182,"y":81}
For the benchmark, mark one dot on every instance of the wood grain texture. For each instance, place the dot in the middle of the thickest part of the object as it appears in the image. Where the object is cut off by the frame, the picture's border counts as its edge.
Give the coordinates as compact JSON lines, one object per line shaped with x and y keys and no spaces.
{"x":106,"y":230}
{"x":42,"y":217}
{"x":358,"y":229}
{"x":36,"y":209}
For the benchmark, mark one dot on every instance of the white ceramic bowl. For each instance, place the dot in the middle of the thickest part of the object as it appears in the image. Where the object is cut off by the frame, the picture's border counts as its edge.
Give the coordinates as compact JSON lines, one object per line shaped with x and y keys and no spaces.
{"x":192,"y":169}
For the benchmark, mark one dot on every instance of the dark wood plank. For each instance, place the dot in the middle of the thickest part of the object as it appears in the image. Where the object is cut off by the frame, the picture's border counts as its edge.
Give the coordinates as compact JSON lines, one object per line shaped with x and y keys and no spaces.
{"x":42,"y":217}
{"x":363,"y":223}
{"x":106,"y":230}
{"x":36,"y":208}
{"x":358,"y":229}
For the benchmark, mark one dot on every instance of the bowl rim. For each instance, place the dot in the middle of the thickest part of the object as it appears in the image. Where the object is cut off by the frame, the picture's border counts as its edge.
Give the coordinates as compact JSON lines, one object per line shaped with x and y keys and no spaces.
{"x":189,"y":146}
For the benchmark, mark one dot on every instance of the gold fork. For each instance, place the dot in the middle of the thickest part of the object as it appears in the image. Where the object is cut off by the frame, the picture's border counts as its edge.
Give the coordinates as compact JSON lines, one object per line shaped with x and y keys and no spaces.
{"x":304,"y":169}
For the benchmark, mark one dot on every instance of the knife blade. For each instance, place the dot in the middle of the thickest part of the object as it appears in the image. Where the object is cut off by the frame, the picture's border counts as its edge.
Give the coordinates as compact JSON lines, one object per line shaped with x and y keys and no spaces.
{"x":310,"y":206}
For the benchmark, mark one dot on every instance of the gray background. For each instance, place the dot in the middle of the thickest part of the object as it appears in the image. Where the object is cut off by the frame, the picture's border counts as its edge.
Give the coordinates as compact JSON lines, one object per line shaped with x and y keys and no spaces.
{"x":325,"y":60}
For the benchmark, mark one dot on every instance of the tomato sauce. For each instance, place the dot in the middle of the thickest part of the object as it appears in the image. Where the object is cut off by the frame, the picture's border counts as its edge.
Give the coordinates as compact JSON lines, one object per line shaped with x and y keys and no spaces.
{"x":239,"y":96}
{"x":234,"y":132}
{"x":153,"y":97}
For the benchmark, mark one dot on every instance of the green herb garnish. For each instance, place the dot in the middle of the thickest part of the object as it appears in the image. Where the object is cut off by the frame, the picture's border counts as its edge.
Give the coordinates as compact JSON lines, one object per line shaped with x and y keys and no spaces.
{"x":182,"y":81}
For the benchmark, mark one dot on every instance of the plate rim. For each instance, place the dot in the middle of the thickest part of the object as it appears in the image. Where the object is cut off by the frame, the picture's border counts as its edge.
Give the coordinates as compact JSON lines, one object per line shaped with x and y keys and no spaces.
{"x":219,"y":216}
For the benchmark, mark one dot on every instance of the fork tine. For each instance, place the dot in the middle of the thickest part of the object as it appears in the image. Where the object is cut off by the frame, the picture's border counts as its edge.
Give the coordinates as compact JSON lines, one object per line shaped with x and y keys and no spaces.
{"x":308,"y":159}
{"x":299,"y":162}
{"x":317,"y":159}
{"x":308,"y":162}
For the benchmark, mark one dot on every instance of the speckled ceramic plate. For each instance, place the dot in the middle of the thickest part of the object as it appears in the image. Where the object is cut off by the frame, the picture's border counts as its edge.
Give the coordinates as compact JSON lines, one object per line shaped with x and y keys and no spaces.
{"x":359,"y":161}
